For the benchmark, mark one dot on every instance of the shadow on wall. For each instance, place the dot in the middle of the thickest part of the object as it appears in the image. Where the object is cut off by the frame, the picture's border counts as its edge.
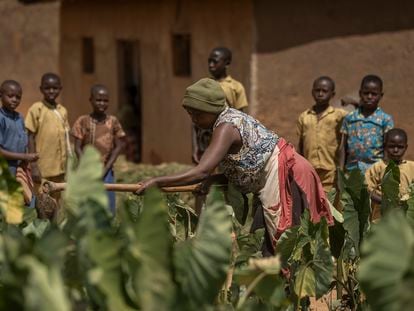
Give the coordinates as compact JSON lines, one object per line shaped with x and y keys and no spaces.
{"x":306,"y":21}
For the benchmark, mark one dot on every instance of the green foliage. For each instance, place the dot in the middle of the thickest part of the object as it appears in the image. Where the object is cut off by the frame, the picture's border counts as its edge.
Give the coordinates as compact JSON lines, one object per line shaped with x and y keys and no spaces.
{"x":127,"y":172}
{"x":84,"y":185}
{"x":238,"y":202}
{"x":202,"y":262}
{"x":182,"y":218}
{"x":356,"y":235}
{"x":91,"y":261}
{"x":249,"y":246}
{"x":306,"y":249}
{"x":262,"y":277}
{"x":45,"y":288}
{"x":355,"y":201}
{"x":331,"y":195}
{"x":149,"y":250}
{"x":31,"y":274}
{"x":390,"y":188}
{"x":387,"y":271}
{"x":158,"y":255}
{"x":410,"y":207}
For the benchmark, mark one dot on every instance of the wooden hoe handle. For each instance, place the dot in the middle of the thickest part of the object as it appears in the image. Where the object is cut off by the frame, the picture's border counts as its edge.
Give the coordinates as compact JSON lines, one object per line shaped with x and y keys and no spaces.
{"x":50,"y":187}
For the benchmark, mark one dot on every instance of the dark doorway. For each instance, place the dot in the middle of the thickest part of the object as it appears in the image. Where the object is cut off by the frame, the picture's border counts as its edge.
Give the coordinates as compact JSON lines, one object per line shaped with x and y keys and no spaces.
{"x":129,"y":90}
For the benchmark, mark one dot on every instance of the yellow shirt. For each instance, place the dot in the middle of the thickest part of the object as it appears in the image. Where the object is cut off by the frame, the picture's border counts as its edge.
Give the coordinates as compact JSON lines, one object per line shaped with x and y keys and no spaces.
{"x":375,"y":173}
{"x":235,"y":94}
{"x":321,"y":138}
{"x":50,"y":137}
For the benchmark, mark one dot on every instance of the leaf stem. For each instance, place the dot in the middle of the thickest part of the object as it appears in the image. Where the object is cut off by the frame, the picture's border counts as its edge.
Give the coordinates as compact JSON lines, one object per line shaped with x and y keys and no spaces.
{"x":301,"y":285}
{"x":249,"y":289}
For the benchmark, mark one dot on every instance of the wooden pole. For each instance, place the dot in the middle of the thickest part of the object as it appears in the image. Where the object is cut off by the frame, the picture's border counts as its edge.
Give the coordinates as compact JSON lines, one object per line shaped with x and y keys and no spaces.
{"x":50,"y":187}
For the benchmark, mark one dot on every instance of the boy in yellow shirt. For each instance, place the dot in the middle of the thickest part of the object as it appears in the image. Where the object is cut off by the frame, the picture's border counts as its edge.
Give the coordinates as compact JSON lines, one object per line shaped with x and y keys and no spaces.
{"x":395,"y":146}
{"x":48,"y":129}
{"x":218,"y":62}
{"x":318,"y":130}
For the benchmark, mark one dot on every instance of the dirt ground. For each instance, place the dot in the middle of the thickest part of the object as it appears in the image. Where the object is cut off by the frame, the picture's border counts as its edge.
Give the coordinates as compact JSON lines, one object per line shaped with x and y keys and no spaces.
{"x":324,"y":303}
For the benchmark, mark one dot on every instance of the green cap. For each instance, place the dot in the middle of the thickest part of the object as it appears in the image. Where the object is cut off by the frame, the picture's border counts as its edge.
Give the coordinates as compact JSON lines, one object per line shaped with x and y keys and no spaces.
{"x":205,"y":95}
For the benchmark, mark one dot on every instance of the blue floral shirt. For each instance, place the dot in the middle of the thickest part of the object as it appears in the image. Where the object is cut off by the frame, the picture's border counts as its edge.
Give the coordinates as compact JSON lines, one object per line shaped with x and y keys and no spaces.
{"x":245,"y":169}
{"x":365,"y":138}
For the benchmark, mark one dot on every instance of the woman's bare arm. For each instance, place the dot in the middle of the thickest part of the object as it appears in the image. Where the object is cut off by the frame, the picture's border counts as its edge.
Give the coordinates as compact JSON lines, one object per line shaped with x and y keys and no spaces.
{"x":224,"y":136}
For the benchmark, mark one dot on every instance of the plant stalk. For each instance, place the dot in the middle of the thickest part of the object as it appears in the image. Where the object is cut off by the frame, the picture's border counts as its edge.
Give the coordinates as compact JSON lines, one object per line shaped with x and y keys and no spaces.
{"x":249,"y":290}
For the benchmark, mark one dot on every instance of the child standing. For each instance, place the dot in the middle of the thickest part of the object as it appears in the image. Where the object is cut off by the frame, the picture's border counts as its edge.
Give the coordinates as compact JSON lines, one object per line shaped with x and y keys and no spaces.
{"x":13,"y":137}
{"x":395,"y":147}
{"x":48,"y":127}
{"x":318,"y":129}
{"x":218,"y":61}
{"x":102,"y":131}
{"x":363,"y":129}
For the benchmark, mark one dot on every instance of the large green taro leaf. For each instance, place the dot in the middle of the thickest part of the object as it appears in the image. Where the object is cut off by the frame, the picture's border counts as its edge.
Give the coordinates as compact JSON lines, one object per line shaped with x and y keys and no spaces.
{"x":202,"y":262}
{"x":386,"y":272}
{"x":410,"y":207}
{"x":44,"y":289}
{"x":86,"y":201}
{"x":390,"y":188}
{"x":356,"y":206}
{"x":150,"y":249}
{"x":316,"y":272}
{"x":104,"y":273}
{"x":85,"y":183}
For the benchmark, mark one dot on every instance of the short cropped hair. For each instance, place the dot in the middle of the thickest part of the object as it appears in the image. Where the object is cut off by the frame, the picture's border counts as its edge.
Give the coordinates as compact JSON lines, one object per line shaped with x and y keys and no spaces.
{"x":9,"y":82}
{"x":49,"y":75}
{"x":96,"y":87}
{"x":395,"y":132}
{"x":225,"y":51}
{"x":371,"y":78}
{"x":325,"y":78}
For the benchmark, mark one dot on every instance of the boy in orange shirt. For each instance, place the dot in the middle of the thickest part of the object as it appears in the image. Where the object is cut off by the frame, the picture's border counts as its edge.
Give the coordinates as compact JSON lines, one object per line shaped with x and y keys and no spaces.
{"x":102,"y":131}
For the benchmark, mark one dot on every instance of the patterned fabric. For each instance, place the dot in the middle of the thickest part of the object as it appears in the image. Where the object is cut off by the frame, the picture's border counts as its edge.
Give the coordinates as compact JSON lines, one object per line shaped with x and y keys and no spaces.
{"x":245,"y":169}
{"x":235,"y":93}
{"x":24,"y":177}
{"x":291,"y":186}
{"x":365,"y":138}
{"x":50,"y":137}
{"x":99,"y":134}
{"x":13,"y":135}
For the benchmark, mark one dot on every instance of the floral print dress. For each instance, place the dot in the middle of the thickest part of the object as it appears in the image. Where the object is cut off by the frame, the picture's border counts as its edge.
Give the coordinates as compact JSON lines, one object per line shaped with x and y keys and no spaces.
{"x":246,"y":168}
